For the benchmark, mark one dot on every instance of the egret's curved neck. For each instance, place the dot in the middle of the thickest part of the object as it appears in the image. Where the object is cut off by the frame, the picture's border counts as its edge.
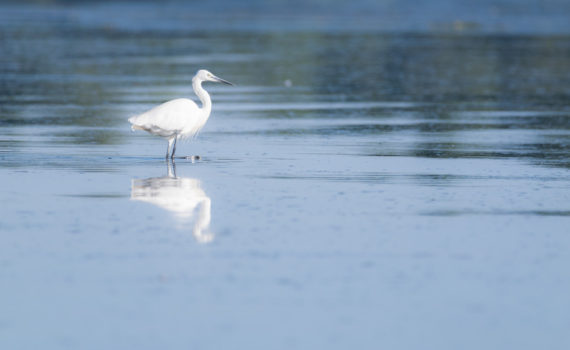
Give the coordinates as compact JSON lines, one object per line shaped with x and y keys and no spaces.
{"x":203,"y":96}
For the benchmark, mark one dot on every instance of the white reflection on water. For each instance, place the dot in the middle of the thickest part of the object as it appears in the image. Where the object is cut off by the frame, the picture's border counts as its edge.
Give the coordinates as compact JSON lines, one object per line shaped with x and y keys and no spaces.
{"x":183,"y":196}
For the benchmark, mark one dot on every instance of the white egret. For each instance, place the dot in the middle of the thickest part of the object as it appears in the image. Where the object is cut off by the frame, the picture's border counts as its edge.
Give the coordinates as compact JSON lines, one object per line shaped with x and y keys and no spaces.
{"x":179,"y":118}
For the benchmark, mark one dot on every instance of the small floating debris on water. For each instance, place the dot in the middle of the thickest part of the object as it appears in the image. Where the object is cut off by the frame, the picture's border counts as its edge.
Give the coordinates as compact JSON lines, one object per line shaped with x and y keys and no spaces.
{"x":288,"y":83}
{"x":193,"y":158}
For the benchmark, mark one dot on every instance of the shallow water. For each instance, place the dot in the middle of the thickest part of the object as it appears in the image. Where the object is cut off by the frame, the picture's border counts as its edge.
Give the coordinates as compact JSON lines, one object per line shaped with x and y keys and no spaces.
{"x":358,"y":188}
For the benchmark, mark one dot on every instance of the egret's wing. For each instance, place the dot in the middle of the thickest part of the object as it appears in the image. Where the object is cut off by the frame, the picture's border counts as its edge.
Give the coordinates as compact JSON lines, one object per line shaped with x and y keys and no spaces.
{"x":168,"y":118}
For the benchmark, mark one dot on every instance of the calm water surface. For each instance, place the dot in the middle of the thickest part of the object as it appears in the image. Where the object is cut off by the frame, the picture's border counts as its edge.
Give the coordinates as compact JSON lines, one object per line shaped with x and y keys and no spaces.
{"x":357,"y":189}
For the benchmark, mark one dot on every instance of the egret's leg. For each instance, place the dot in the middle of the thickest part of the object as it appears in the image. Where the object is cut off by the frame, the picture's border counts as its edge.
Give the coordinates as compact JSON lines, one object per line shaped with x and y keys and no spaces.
{"x":173,"y":148}
{"x":170,"y":141}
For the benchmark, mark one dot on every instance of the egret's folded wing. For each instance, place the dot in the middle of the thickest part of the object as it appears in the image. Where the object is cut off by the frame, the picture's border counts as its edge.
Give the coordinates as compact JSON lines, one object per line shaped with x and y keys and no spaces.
{"x":167,"y":118}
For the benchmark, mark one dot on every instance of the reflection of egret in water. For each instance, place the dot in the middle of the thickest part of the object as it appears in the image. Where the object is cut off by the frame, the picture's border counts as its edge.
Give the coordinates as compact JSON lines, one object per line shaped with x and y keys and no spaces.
{"x":180,"y":195}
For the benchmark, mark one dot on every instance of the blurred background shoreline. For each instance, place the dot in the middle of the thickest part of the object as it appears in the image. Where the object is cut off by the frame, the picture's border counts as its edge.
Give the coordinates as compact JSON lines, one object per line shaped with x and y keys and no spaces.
{"x":510,"y":17}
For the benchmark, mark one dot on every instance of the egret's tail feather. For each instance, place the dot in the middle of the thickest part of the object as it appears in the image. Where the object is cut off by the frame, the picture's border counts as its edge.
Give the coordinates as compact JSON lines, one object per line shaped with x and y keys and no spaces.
{"x":133,"y":125}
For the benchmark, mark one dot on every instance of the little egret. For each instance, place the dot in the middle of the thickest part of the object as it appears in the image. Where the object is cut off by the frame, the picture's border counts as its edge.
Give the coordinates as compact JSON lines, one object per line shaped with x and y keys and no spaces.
{"x":179,"y":118}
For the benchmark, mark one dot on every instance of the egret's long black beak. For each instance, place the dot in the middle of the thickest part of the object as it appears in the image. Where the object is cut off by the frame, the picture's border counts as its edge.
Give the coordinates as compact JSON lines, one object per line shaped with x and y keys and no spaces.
{"x":220,"y":80}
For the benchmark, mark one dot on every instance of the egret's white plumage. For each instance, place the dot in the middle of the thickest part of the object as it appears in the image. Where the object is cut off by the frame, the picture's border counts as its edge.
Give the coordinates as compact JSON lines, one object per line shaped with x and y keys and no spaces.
{"x":179,"y":118}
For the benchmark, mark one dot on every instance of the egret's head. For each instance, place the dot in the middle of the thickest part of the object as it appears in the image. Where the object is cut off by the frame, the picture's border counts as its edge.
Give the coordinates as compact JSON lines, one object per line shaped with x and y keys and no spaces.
{"x":204,"y":75}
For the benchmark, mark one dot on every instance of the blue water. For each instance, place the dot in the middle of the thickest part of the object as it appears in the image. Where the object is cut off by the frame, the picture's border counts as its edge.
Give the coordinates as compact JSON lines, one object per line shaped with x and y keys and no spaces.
{"x":368,"y":183}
